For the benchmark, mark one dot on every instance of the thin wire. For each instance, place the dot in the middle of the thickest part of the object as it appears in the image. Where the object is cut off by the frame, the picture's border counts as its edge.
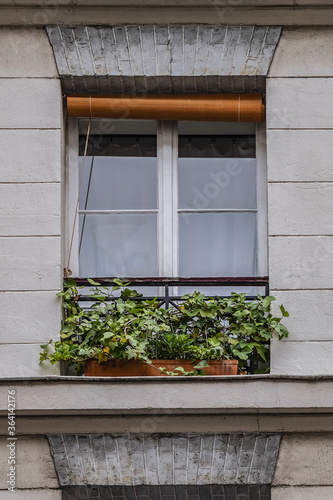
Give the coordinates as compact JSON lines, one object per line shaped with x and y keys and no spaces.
{"x":78,"y":196}
{"x":86,"y":202}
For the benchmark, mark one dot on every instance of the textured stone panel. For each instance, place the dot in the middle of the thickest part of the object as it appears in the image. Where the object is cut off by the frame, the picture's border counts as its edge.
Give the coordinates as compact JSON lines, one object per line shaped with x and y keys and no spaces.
{"x":29,"y":317}
{"x":300,"y":155}
{"x":305,"y":209}
{"x":26,"y":52}
{"x":303,"y":493}
{"x":22,"y":360}
{"x":30,"y":155}
{"x":30,"y":263}
{"x":301,"y":358}
{"x":178,"y":492}
{"x":30,"y":209}
{"x":163,"y":59}
{"x":299,"y":103}
{"x":300,"y":262}
{"x":289,"y":57}
{"x":206,"y":458}
{"x":305,"y":460}
{"x":46,"y":494}
{"x":311,"y":313}
{"x":30,"y":103}
{"x":35,"y":467}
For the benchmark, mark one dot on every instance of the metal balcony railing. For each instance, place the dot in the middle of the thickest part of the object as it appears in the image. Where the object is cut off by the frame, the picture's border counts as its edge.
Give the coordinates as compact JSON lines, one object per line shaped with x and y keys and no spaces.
{"x":169,"y":288}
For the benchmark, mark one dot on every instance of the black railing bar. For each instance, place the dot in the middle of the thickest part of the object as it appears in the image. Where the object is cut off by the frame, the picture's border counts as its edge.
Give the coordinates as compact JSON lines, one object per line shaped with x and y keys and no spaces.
{"x":120,"y":211}
{"x":166,"y":295}
{"x":267,"y":289}
{"x":188,"y":285}
{"x":171,"y":301}
{"x":86,"y":298}
{"x":227,"y":281}
{"x":215,"y":210}
{"x":92,"y":136}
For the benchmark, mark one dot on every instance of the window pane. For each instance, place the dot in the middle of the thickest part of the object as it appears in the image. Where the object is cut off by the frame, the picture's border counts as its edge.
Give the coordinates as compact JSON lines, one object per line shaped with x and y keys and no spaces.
{"x":118,"y":245}
{"x":107,"y":126}
{"x":217,"y":183}
{"x":213,"y":128}
{"x":119,"y":145}
{"x":205,"y":146}
{"x":222,"y":291}
{"x":213,"y":244}
{"x":111,"y":183}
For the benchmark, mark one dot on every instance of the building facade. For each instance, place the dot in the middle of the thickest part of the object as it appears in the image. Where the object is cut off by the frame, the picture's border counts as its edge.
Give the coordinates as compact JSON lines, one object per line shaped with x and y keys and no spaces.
{"x":259,"y":436}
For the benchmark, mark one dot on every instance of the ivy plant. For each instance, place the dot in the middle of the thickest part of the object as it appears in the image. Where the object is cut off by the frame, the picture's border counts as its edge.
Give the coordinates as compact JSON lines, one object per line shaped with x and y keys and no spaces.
{"x":131,"y":327}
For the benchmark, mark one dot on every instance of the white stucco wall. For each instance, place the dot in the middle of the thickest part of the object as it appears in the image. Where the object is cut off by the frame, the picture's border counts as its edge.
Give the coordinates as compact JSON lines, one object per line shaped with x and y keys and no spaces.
{"x":35,"y":475}
{"x":300,"y":201}
{"x":303,"y":470}
{"x":30,"y":199}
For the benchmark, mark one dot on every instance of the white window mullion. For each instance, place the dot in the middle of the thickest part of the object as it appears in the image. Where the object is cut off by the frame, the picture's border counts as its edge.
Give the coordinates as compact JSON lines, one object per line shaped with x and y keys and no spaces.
{"x":262,"y":257}
{"x":72,"y":192}
{"x":175,"y":241}
{"x":166,"y":145}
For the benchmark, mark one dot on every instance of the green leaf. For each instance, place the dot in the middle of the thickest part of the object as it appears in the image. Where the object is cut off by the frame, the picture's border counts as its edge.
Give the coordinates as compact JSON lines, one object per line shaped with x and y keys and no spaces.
{"x":120,"y":283}
{"x":285,"y":313}
{"x":267,"y":300}
{"x":69,"y":283}
{"x":282,"y":331}
{"x":92,"y":282}
{"x":98,"y":296}
{"x":262,"y":351}
{"x":202,"y":364}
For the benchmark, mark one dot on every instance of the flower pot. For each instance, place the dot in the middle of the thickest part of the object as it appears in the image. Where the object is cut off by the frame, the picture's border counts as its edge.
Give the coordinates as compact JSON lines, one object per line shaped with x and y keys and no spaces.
{"x":216,"y":367}
{"x":134,"y":368}
{"x":115,"y":368}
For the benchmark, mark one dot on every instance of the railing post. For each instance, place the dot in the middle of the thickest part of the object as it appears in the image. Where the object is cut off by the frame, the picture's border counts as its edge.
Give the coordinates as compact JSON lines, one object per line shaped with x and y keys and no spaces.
{"x":166,"y":294}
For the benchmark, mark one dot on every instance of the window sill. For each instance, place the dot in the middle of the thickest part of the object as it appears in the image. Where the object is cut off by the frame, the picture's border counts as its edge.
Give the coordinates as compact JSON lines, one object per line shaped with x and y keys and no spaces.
{"x":180,"y":395}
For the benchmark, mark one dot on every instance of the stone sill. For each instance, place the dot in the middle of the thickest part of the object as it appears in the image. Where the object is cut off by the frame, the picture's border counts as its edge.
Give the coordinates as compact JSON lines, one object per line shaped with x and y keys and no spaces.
{"x":101,"y":12}
{"x":160,"y":396}
{"x":160,"y":3}
{"x":173,"y":3}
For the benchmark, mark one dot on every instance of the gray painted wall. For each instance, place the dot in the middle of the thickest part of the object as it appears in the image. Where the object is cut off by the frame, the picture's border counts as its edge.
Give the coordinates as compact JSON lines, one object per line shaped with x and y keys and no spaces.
{"x":300,"y":197}
{"x":30,"y":199}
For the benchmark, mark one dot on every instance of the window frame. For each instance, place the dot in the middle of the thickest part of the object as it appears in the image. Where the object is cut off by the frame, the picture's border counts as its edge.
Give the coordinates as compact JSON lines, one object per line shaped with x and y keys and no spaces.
{"x":167,"y":154}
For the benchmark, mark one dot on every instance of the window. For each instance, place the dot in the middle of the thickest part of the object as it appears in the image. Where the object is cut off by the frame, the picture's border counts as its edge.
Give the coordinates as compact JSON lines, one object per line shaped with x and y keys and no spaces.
{"x":169,"y":199}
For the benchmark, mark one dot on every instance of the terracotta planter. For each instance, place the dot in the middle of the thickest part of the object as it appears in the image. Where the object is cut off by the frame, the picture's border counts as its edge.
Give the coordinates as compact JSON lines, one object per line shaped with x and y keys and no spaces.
{"x":133,"y":368}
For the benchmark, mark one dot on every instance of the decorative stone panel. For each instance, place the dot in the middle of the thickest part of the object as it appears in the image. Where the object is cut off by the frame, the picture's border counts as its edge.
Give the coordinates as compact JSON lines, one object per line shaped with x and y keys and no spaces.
{"x":163,"y":59}
{"x":207,"y":492}
{"x":157,"y":460}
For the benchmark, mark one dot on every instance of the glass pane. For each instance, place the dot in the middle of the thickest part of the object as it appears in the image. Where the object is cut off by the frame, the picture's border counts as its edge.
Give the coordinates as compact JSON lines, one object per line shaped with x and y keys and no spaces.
{"x":119,"y":145}
{"x":117,"y":183}
{"x":118,"y":245}
{"x":218,"y":146}
{"x":120,"y":170}
{"x":212,"y":244}
{"x":217,"y":183}
{"x":212,"y":128}
{"x":222,"y":291}
{"x":107,"y":126}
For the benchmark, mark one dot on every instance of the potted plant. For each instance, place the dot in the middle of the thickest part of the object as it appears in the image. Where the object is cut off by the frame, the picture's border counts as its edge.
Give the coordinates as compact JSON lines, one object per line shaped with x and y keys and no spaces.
{"x":129,"y":335}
